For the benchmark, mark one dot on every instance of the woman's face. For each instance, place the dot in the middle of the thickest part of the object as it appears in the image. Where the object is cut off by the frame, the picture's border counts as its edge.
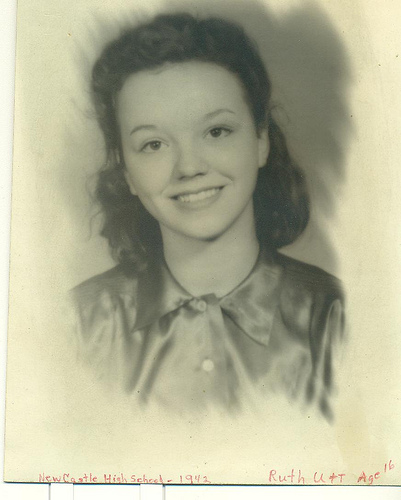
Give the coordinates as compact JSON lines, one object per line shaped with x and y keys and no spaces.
{"x":190,"y":147}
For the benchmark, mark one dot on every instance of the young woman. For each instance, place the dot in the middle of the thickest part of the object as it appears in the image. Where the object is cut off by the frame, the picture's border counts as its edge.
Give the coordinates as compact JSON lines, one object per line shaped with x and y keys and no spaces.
{"x":198,"y":192}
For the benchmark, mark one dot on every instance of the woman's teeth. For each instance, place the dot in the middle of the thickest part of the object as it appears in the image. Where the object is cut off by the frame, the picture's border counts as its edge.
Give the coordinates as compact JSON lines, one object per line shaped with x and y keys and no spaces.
{"x":202,"y":195}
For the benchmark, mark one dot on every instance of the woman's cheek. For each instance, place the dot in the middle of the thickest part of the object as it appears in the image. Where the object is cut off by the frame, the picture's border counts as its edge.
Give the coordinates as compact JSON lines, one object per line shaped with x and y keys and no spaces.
{"x":152,"y":180}
{"x":146,"y":171}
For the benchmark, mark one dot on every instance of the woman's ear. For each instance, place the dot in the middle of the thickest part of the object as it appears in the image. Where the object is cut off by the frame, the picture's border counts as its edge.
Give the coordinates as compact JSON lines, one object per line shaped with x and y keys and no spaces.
{"x":130,"y":183}
{"x":263,"y":146}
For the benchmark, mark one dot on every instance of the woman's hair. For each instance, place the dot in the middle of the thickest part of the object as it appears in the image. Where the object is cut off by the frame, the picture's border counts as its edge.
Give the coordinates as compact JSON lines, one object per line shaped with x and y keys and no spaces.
{"x":280,"y":198}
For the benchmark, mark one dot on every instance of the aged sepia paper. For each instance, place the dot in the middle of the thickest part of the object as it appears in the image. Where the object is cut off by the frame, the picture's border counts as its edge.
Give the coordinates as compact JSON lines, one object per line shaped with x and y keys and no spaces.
{"x":335,"y":68}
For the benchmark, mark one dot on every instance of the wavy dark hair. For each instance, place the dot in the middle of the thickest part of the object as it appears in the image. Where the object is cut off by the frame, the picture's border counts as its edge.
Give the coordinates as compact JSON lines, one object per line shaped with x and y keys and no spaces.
{"x":280,"y":199}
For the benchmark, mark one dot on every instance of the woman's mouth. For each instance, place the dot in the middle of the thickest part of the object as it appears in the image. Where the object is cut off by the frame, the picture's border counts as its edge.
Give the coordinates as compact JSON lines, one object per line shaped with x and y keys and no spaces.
{"x":196,"y":197}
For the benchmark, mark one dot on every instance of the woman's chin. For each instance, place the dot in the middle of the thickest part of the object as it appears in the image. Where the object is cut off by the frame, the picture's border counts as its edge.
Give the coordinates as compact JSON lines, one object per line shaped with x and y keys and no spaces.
{"x":199,"y":234}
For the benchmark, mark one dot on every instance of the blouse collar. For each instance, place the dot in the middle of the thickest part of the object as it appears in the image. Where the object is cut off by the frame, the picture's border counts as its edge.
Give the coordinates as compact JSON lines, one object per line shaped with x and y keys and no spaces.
{"x":251,"y":305}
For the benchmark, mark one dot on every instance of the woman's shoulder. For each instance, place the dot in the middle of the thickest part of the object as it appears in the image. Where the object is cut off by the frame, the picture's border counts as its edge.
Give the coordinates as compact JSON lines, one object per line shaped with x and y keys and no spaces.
{"x":309,"y":279}
{"x":107,"y":286}
{"x":100,"y":303}
{"x":312,"y":301}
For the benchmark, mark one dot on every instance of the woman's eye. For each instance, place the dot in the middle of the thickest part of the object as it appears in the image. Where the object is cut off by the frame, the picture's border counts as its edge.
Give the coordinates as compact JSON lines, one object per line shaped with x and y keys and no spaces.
{"x":152,"y":146}
{"x":217,"y":132}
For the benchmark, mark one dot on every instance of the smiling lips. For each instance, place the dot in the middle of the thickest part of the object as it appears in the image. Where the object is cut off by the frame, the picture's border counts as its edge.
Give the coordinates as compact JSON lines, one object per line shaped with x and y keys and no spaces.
{"x":201,"y":195}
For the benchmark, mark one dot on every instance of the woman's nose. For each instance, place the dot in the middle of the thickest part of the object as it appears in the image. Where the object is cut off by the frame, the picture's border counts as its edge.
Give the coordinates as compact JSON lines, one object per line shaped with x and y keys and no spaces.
{"x":189,"y":162}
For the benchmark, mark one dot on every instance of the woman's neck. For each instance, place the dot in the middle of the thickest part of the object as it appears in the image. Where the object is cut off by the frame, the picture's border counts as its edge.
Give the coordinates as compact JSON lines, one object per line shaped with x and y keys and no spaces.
{"x":216,"y":266}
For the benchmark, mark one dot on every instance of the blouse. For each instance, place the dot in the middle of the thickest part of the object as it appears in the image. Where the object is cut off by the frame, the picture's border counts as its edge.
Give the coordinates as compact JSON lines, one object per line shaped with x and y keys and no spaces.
{"x":275,"y":333}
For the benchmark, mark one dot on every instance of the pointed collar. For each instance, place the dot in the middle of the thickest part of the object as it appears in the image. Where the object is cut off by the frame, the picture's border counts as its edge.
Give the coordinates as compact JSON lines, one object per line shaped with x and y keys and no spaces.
{"x":251,"y":305}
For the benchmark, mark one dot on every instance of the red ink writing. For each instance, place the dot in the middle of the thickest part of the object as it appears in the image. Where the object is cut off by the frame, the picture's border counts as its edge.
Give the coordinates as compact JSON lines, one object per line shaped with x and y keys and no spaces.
{"x":375,"y":476}
{"x":197,"y":479}
{"x":333,"y":477}
{"x":123,"y":478}
{"x":144,"y":479}
{"x":274,"y":477}
{"x":67,"y":478}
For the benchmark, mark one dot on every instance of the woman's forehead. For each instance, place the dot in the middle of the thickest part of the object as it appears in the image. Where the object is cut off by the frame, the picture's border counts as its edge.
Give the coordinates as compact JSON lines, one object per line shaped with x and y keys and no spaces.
{"x":176,"y":75}
{"x":193,"y":87}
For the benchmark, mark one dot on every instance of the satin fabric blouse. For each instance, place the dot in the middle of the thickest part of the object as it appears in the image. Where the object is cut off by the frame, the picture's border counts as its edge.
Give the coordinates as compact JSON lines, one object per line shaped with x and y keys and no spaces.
{"x":275,"y":333}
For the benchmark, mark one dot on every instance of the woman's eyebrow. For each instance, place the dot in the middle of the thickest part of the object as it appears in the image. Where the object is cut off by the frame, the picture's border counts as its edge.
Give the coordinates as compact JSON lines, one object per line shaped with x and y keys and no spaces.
{"x":217,"y":112}
{"x":142,"y":127}
{"x":208,"y":116}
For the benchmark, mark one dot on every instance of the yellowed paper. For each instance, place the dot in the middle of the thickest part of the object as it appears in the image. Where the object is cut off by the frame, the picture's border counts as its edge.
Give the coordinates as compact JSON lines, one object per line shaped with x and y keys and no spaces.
{"x":340,"y":113}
